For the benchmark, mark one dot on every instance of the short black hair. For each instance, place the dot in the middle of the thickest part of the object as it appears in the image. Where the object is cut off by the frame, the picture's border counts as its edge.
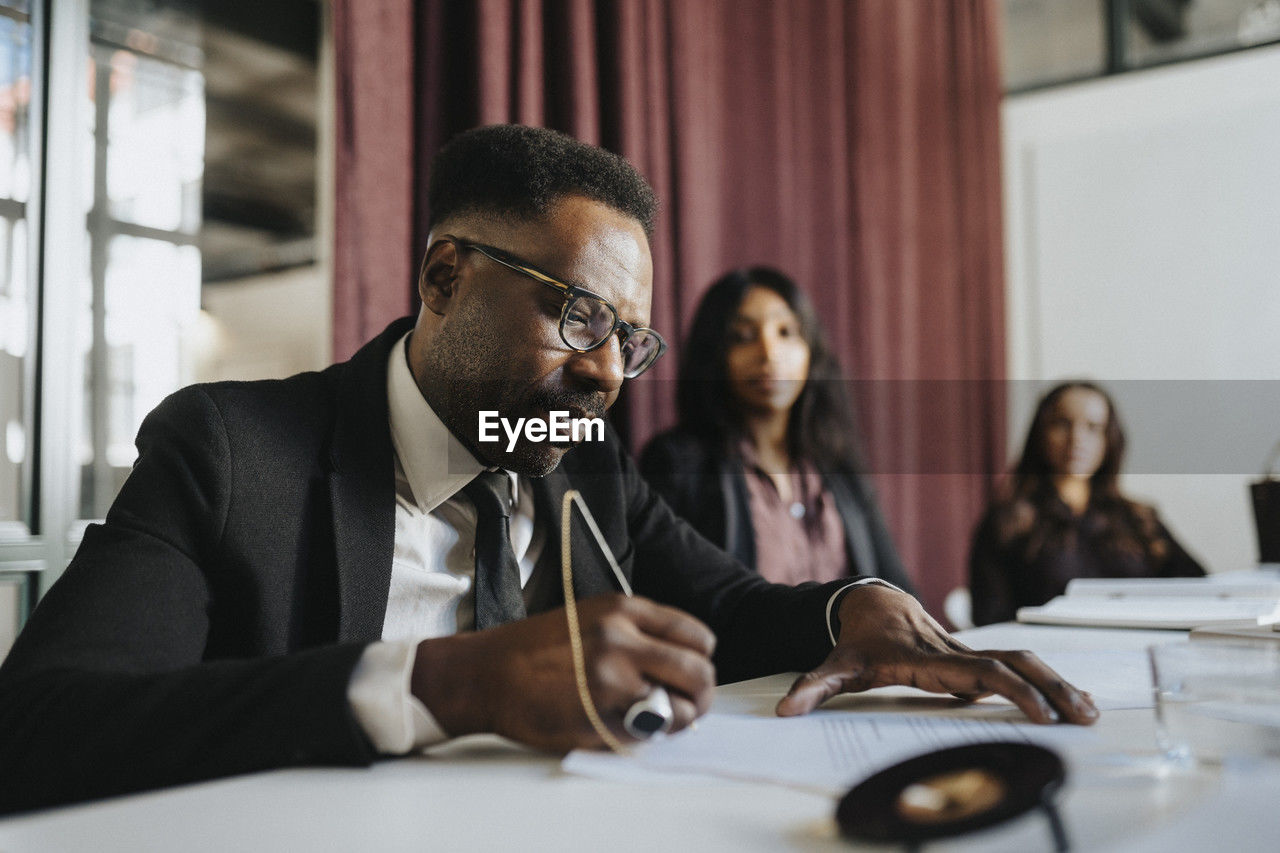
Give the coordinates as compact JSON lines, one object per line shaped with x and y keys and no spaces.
{"x":520,"y":172}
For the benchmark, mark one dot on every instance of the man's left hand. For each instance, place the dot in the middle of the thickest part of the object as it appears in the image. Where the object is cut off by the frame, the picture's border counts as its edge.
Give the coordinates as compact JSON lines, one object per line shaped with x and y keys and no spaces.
{"x":887,"y":638}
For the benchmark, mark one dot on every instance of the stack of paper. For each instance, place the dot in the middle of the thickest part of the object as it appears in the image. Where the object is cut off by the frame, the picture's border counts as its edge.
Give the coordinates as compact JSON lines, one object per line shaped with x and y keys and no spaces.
{"x":1254,"y":634}
{"x":1176,"y":603}
{"x":1221,"y":586}
{"x":826,"y":750}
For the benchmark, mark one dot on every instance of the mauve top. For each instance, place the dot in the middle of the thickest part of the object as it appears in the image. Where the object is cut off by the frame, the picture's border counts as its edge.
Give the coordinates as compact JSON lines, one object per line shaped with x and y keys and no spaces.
{"x":1005,"y":575}
{"x":796,"y":541}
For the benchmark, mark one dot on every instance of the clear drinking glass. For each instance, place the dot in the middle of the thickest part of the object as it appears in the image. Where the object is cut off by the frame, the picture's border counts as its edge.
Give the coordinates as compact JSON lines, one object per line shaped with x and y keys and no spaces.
{"x":1216,"y":701}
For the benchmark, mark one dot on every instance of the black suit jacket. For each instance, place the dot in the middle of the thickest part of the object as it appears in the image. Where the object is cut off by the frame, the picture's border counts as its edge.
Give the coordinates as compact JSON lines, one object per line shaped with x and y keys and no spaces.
{"x":709,"y":489}
{"x":211,"y":624}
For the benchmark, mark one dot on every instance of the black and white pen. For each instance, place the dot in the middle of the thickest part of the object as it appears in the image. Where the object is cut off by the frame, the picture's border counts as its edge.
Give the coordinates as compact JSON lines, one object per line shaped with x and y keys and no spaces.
{"x":652,"y":714}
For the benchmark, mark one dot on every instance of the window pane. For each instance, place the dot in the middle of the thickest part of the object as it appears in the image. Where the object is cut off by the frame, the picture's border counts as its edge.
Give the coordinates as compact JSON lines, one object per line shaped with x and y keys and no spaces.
{"x":16,"y":305}
{"x":1052,"y":41}
{"x":1166,"y":30}
{"x":10,"y":598}
{"x":155,"y":145}
{"x":200,"y":157}
{"x":152,"y":305}
{"x":141,"y":295}
{"x":15,"y":344}
{"x":15,"y":102}
{"x":12,"y":592}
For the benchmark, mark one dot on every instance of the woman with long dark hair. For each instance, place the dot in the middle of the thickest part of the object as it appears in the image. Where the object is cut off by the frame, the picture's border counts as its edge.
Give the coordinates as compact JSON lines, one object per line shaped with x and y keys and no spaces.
{"x":1061,"y":514}
{"x":763,"y":460}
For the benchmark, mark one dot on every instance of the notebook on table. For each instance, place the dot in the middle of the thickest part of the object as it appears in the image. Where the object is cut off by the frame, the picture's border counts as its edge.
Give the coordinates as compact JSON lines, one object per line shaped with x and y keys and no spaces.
{"x":1172,"y":603}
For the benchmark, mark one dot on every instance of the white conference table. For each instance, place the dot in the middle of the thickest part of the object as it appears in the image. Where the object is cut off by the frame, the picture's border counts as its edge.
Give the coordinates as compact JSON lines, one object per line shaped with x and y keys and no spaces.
{"x":486,"y":794}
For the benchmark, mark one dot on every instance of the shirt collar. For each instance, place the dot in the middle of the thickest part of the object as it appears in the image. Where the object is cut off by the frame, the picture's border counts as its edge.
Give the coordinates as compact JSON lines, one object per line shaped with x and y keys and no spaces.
{"x":435,"y":463}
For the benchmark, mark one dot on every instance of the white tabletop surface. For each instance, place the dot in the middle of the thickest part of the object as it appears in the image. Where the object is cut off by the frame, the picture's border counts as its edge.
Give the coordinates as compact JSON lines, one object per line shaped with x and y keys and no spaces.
{"x":486,"y":794}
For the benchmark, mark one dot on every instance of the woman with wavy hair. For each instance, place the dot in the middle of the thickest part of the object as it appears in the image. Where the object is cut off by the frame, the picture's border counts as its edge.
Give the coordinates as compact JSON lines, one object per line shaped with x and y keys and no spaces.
{"x":763,"y":461}
{"x":1061,"y":514}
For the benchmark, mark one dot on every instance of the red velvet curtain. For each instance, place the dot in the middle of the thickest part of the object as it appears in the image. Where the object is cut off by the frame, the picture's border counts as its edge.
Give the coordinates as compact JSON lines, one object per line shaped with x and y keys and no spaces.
{"x":852,"y":143}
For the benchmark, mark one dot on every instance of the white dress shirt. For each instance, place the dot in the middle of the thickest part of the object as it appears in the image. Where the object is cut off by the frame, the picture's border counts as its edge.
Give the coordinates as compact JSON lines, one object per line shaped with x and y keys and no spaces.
{"x":433,"y":563}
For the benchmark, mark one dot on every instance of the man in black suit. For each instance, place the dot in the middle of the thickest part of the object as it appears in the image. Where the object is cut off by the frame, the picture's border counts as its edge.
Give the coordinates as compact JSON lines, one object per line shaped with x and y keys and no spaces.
{"x":287,"y":576}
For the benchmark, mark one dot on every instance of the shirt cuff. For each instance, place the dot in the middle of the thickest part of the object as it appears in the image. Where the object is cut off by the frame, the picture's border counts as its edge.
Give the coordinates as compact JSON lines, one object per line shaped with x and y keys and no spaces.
{"x":839,"y":593}
{"x":395,"y":721}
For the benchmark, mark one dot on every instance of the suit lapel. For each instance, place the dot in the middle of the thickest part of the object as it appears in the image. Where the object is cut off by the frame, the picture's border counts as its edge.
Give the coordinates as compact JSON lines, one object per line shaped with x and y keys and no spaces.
{"x":591,"y":574}
{"x":857,"y":537}
{"x":739,"y":536}
{"x":362,"y":489}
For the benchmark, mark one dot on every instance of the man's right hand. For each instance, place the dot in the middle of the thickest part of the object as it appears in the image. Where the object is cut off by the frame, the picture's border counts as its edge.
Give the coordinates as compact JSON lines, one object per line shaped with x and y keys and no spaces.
{"x":517,"y":680}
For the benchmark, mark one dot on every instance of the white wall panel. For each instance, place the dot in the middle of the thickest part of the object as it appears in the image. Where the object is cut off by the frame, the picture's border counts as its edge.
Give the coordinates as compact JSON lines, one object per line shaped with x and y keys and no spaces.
{"x":1143,"y":243}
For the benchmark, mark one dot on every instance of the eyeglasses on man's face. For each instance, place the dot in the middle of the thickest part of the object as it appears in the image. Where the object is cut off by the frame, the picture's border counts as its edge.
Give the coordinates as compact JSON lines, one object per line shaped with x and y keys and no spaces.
{"x":587,"y":321}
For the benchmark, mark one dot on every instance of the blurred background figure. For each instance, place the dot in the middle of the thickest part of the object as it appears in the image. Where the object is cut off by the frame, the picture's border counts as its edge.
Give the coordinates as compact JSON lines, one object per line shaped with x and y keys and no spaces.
{"x":1062,"y":516}
{"x":763,"y":460}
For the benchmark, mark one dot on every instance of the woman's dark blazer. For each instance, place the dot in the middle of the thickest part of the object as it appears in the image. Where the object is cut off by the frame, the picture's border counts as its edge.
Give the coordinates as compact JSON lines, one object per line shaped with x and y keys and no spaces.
{"x":709,"y":490}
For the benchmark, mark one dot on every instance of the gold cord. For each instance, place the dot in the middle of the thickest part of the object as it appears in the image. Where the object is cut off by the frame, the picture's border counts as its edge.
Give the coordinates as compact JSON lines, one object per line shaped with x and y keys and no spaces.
{"x":575,"y":631}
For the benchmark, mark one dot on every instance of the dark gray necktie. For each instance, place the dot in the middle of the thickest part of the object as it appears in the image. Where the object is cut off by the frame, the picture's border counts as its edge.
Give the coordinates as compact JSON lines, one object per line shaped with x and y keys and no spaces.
{"x":498,"y":596}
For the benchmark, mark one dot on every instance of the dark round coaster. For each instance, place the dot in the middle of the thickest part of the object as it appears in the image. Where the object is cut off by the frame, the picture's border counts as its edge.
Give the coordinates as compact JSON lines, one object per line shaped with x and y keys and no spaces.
{"x":953,"y":791}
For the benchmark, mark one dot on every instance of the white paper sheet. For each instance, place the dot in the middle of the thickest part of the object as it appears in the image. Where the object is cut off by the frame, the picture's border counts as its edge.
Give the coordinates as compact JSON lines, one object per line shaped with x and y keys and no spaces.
{"x":1117,"y":679}
{"x":1151,"y":611}
{"x":827,"y":750}
{"x":1223,"y":586}
{"x":1053,"y":638}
